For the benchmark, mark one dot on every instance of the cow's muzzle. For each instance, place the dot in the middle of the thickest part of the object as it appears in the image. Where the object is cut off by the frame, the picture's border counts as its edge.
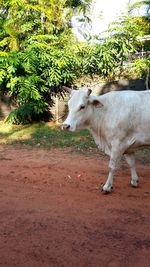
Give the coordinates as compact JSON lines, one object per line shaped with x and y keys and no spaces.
{"x":65,"y":127}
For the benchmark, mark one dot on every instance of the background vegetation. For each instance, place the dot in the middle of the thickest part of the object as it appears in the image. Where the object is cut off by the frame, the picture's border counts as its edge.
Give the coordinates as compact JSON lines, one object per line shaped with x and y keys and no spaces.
{"x":39,"y":53}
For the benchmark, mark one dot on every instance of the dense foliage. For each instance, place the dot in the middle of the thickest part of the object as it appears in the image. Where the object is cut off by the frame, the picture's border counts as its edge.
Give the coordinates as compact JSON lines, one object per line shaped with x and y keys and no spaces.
{"x":121,"y":41}
{"x":39,"y":54}
{"x":32,"y":77}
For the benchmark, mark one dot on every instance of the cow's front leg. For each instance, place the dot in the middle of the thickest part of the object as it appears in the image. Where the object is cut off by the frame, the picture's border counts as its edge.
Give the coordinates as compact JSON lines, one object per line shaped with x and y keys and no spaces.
{"x":109,"y":183}
{"x":130,"y":158}
{"x":115,"y":157}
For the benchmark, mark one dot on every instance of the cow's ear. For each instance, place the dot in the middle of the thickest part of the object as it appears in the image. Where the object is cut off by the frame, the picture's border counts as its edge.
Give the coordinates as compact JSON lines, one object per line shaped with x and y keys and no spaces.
{"x":95,"y":102}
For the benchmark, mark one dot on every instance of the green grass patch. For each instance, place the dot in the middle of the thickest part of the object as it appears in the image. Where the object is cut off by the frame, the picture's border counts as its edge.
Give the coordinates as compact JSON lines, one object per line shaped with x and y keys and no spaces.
{"x":46,"y":135}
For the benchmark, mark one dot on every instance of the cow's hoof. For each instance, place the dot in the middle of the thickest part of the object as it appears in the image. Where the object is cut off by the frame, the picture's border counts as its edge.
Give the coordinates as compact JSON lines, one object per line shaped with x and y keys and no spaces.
{"x":106,"y":190}
{"x":134,"y":184}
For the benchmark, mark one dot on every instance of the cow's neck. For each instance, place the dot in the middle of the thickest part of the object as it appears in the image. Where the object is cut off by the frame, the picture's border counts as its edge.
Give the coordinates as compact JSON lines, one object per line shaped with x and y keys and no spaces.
{"x":96,"y":121}
{"x":96,"y":127}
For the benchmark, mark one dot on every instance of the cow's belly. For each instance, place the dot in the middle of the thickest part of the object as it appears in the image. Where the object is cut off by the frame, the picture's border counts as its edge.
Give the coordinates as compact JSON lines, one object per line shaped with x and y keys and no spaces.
{"x":141,"y":140}
{"x":135,"y":147}
{"x":129,"y":143}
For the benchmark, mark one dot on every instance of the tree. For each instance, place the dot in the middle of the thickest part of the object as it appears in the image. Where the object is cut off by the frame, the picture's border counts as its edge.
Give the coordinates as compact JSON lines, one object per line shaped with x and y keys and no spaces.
{"x":142,"y":22}
{"x":122,"y":40}
{"x":38,"y":54}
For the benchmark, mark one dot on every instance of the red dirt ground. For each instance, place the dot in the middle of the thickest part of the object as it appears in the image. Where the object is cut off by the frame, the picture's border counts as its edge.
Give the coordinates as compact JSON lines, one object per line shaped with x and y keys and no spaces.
{"x":52,"y":213}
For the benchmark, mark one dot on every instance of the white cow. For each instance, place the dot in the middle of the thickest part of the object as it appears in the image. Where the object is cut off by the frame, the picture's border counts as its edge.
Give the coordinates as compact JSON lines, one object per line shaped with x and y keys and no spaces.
{"x":118,"y":121}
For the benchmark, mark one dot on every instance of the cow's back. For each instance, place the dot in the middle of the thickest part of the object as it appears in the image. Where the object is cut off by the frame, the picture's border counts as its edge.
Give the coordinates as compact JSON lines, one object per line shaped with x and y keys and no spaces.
{"x":126,"y":116}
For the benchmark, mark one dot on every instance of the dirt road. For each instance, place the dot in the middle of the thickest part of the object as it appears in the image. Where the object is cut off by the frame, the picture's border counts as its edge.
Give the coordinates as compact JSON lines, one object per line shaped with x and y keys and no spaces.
{"x":52,"y":213}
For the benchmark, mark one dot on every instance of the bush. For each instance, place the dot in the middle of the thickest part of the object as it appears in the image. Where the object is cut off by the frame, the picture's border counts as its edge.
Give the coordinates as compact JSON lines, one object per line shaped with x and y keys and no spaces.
{"x":33,"y":77}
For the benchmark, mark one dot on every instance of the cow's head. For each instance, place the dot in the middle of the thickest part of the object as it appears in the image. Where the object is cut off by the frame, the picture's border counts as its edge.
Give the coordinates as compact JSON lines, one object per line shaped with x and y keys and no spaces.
{"x":80,"y":105}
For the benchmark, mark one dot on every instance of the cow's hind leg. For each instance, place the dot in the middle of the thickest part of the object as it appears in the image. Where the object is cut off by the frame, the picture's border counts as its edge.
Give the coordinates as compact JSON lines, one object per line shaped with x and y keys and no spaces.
{"x":130,"y":158}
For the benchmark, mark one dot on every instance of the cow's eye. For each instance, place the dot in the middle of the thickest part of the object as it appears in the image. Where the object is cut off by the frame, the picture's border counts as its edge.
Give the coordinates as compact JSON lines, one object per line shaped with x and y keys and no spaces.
{"x":82,"y":107}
